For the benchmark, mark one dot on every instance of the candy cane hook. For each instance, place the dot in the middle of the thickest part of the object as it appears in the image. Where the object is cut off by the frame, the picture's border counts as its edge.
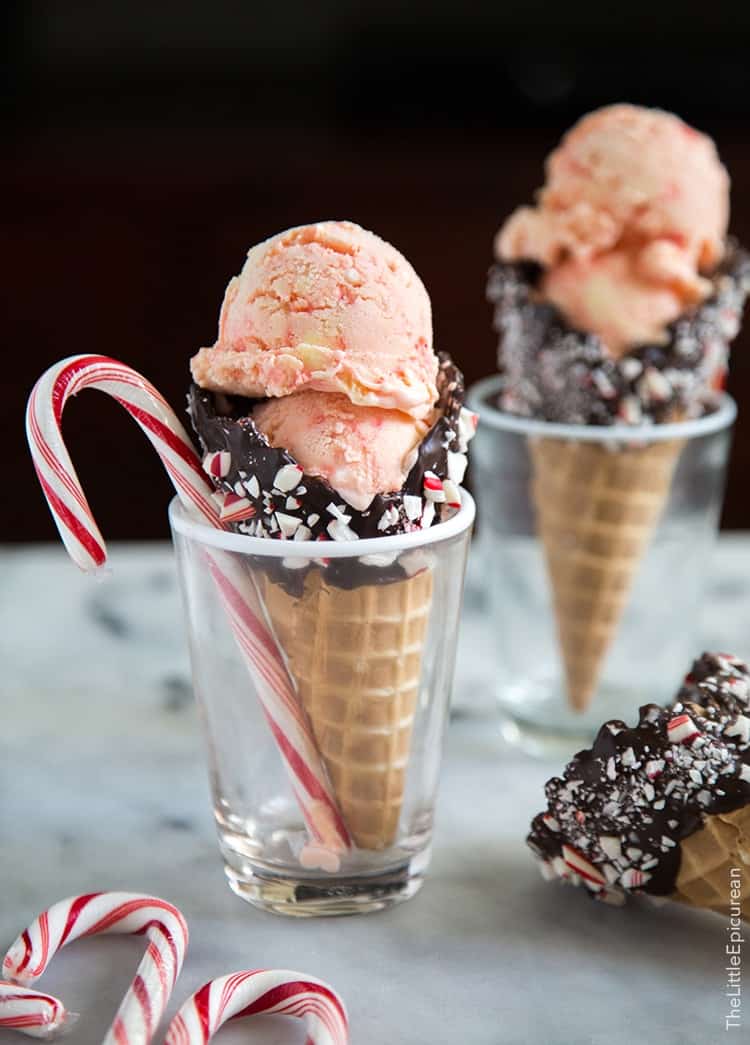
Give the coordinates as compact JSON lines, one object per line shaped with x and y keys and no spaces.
{"x":81,"y":536}
{"x":262,"y":991}
{"x":58,"y":478}
{"x":88,"y":915}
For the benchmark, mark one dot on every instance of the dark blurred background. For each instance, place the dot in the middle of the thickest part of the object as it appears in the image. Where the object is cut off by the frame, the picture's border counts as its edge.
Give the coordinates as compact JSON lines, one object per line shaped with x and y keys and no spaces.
{"x":149,"y":144}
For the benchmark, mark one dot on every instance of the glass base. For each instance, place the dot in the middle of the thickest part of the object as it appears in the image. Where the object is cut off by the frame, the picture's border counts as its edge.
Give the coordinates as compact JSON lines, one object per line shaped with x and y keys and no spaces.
{"x":541,"y":743}
{"x":537,"y":718}
{"x":324,"y":897}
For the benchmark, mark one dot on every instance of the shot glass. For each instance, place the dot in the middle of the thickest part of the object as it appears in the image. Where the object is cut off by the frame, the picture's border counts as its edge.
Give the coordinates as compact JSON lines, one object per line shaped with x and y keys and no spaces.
{"x":595,"y":547}
{"x":322,"y":673}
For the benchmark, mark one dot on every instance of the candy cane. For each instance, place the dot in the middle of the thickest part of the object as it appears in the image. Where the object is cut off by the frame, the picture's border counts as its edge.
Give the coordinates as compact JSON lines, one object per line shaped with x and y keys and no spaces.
{"x":286,"y":718}
{"x":86,"y":546}
{"x":55,"y":470}
{"x":34,"y":1014}
{"x":143,"y":1006}
{"x":262,"y":991}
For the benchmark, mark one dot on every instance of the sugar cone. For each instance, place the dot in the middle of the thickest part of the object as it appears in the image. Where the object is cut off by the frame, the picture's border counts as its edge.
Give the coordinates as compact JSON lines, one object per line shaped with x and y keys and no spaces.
{"x":597,"y":508}
{"x":356,"y":658}
{"x":708,"y":858}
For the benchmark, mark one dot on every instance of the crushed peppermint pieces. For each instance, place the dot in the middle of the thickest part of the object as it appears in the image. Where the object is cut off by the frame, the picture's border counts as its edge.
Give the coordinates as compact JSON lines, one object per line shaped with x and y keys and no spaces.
{"x":578,"y":863}
{"x":261,"y":491}
{"x":388,"y":519}
{"x":610,"y":846}
{"x":412,"y":507}
{"x":457,"y":463}
{"x":433,"y":487}
{"x":217,"y":464}
{"x":236,"y":509}
{"x":339,"y":529}
{"x":452,"y":494}
{"x":631,"y":878}
{"x":740,"y":728}
{"x":553,"y":372}
{"x":621,"y":809}
{"x":287,"y":478}
{"x":654,"y":387}
{"x":682,"y":730}
{"x":288,"y":524}
{"x":252,"y":486}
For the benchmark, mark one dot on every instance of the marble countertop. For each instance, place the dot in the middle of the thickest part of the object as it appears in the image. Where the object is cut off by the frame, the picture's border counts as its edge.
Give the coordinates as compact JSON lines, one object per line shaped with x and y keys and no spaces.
{"x":102,"y":787}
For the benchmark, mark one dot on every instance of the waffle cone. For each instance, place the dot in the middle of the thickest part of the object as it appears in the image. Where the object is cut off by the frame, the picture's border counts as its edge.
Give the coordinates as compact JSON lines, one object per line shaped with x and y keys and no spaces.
{"x":707,"y":859}
{"x":597,"y":509}
{"x":356,"y":658}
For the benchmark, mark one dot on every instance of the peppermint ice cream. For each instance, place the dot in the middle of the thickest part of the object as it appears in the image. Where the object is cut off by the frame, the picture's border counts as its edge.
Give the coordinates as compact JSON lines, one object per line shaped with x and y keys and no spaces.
{"x":360,"y":450}
{"x":617,"y":295}
{"x":633,"y":215}
{"x":328,"y":307}
{"x":324,"y":363}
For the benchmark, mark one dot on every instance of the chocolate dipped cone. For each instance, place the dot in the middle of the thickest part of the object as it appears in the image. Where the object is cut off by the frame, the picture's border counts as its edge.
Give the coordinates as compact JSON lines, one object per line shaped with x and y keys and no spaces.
{"x":715,"y":865}
{"x":597,"y":509}
{"x":356,"y":657}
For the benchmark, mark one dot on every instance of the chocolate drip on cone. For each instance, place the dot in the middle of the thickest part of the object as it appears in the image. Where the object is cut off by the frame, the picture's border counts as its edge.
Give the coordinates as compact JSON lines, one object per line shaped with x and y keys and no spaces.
{"x":617,"y":816}
{"x":281,"y":498}
{"x":554,"y":372}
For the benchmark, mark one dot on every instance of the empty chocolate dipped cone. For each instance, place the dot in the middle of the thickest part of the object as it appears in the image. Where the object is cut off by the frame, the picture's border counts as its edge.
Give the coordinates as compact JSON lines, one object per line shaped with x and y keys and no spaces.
{"x":661,"y":807}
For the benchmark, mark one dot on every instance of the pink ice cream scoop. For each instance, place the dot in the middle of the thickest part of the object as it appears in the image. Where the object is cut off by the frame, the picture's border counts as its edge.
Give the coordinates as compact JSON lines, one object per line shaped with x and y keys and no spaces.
{"x":627,"y":297}
{"x":634,"y":210}
{"x":361,"y":451}
{"x":328,"y":307}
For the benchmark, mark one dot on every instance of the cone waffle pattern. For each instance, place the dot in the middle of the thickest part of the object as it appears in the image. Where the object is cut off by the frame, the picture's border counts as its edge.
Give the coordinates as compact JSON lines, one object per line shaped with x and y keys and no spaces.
{"x":596,"y":511}
{"x":708,"y":856}
{"x":356,"y":657}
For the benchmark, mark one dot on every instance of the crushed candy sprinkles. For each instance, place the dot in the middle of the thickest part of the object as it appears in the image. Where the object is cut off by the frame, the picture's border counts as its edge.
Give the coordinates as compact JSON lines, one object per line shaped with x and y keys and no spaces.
{"x":554,"y":372}
{"x":617,"y":816}
{"x":262,"y":491}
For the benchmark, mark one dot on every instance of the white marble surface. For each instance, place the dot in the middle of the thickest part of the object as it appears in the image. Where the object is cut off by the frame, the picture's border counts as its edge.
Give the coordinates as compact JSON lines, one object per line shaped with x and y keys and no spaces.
{"x":102,"y":787}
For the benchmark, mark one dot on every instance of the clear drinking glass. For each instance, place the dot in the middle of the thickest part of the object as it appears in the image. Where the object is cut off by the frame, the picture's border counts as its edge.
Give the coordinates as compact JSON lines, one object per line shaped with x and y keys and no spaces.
{"x":323,"y":673}
{"x":595,"y":546}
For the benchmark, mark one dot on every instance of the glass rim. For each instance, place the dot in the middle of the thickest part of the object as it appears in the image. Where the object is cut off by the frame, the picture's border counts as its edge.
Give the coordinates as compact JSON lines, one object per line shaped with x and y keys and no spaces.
{"x":476,"y":399}
{"x":183,"y":523}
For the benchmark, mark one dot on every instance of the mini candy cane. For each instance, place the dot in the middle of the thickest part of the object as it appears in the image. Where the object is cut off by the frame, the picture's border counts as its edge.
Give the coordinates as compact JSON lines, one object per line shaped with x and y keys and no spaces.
{"x":143,"y":1006}
{"x":263,"y":991}
{"x":85,"y":544}
{"x":26,"y":1010}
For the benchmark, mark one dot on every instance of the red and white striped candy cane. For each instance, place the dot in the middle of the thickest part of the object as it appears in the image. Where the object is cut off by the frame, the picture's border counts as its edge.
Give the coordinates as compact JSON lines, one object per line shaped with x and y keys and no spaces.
{"x":26,"y":1010}
{"x":55,"y":470}
{"x":164,"y":927}
{"x":78,"y":529}
{"x":262,"y":991}
{"x":285,"y":716}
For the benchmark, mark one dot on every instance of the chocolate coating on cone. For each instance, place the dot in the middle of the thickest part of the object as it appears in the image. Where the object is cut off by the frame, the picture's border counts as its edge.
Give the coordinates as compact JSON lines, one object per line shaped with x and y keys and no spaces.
{"x":554,"y":372}
{"x":617,"y":816}
{"x":224,"y":424}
